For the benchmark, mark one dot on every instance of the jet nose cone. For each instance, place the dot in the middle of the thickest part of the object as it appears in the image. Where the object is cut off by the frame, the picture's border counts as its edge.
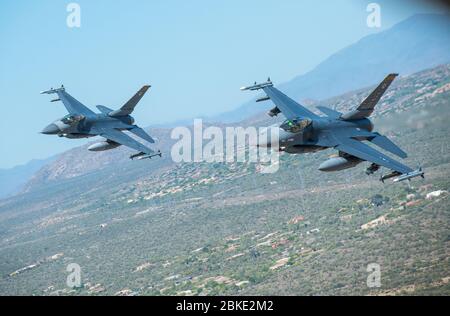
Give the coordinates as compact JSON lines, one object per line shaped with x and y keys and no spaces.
{"x":51,"y":129}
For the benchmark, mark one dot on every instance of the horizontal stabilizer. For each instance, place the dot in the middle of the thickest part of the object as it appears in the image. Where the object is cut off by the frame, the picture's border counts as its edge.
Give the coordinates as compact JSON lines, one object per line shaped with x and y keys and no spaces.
{"x":388,"y":145}
{"x":329,"y":112}
{"x":139,"y":132}
{"x":104,"y":109}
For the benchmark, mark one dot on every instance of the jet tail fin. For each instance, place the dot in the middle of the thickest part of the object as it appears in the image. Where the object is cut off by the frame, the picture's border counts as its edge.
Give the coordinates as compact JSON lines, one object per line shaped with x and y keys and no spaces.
{"x":128,"y":107}
{"x":367,"y":107}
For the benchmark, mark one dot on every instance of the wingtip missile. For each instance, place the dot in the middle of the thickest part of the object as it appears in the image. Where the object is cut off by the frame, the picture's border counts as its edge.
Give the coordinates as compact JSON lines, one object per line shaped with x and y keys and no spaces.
{"x":142,"y":155}
{"x":389,"y":176}
{"x":258,"y":86}
{"x":53,"y":90}
{"x":407,"y":176}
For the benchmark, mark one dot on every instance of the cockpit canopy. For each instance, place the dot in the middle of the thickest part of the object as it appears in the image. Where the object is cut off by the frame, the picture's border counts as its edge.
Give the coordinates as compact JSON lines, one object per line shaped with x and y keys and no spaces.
{"x":296,"y":125}
{"x":71,"y":119}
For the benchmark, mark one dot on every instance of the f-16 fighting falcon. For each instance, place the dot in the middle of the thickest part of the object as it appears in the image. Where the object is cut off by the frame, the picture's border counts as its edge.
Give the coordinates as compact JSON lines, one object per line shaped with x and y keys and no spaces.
{"x":305,"y":132}
{"x":81,"y":122}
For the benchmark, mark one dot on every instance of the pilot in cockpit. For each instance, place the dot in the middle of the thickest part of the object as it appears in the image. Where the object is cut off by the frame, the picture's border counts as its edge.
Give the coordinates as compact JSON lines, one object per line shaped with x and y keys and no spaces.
{"x":71,"y":119}
{"x":296,"y":125}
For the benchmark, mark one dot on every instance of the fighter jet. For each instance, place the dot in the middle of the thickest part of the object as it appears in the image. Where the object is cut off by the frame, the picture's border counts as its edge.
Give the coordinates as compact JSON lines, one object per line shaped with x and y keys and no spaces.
{"x":81,"y":122}
{"x":305,"y":132}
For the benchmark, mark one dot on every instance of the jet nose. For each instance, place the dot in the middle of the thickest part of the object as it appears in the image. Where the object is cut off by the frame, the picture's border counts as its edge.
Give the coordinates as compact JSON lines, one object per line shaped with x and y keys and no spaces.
{"x":51,"y":129}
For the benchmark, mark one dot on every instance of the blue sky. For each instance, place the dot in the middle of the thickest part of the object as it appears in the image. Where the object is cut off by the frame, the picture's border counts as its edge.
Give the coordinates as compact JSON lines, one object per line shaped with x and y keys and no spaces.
{"x":195,"y":54}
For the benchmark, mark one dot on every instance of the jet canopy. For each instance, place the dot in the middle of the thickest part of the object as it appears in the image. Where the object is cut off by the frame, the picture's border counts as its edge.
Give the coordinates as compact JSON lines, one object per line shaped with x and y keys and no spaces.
{"x":71,"y":119}
{"x":296,"y":125}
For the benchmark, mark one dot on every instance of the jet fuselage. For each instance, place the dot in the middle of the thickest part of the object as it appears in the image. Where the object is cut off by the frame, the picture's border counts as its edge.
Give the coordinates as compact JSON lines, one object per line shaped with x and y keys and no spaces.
{"x":79,"y":126}
{"x":305,"y":139}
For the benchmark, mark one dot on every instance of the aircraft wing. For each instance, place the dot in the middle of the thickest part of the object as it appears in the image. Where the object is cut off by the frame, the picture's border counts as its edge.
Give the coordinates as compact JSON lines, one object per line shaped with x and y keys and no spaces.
{"x":331,"y":139}
{"x":387,"y":144}
{"x":365,"y":152}
{"x":285,"y":104}
{"x":72,"y":105}
{"x":123,"y":139}
{"x":142,"y":134}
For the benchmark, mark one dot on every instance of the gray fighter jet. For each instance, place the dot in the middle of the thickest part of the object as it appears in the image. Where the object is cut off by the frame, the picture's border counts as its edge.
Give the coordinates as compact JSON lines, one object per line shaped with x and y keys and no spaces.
{"x":81,"y":122}
{"x":305,"y":132}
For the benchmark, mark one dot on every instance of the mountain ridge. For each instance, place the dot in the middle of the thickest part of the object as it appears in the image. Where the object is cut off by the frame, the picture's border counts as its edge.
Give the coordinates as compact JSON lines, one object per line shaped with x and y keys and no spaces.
{"x":12,"y":180}
{"x":401,"y":48}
